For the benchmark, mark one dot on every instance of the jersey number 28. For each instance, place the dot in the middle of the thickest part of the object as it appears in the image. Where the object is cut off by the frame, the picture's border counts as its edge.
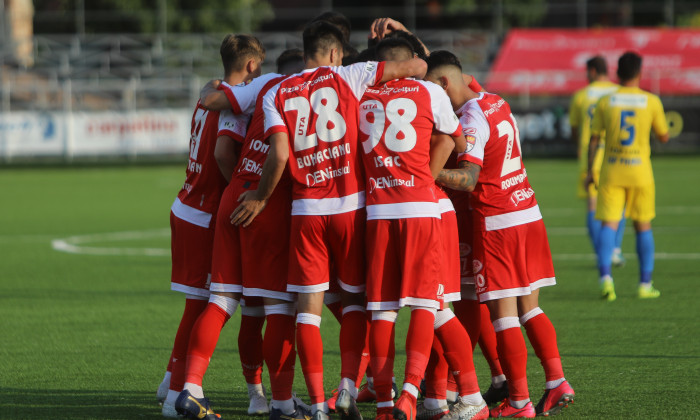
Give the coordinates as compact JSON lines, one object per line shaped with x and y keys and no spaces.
{"x":330,"y":125}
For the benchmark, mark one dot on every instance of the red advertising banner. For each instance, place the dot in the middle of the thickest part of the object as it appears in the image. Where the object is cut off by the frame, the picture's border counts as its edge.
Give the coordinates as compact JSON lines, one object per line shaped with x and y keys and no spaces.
{"x":553,"y":61}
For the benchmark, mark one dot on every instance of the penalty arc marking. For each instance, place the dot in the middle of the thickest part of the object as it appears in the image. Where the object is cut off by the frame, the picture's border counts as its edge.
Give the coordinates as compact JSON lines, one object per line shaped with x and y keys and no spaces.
{"x":77,"y":244}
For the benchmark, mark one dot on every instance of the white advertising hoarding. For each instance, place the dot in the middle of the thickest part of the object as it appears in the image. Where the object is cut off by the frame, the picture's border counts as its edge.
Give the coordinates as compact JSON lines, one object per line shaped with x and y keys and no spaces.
{"x":145,"y":132}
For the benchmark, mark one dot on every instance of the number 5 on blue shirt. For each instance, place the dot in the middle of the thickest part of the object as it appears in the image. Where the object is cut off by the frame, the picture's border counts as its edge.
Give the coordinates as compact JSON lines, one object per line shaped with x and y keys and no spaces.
{"x":626,"y":126}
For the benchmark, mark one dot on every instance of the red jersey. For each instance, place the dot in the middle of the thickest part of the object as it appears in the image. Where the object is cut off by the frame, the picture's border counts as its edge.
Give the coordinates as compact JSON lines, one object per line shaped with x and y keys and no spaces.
{"x":503,"y":196}
{"x":199,"y":198}
{"x":396,"y":123}
{"x":319,"y":110}
{"x":255,"y":147}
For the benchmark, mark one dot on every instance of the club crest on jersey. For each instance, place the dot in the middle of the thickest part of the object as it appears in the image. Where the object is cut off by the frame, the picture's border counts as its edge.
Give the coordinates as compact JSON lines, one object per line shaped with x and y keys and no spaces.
{"x":471,"y":141}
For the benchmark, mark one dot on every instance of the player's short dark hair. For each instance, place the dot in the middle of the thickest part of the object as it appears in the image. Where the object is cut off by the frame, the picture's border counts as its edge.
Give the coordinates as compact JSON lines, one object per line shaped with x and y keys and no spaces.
{"x":236,"y":50}
{"x":337,"y":19}
{"x":349,"y":54}
{"x":629,"y":66}
{"x":368,"y":54}
{"x":442,"y":58}
{"x":290,"y":61}
{"x":320,"y":37}
{"x":389,"y":48}
{"x":598,"y":64}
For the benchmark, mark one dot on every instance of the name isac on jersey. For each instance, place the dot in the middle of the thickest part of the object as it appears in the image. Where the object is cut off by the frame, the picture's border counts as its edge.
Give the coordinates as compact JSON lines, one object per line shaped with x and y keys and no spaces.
{"x":386,"y":161}
{"x":307,"y":84}
{"x":320,"y":156}
{"x":324,"y":174}
{"x":521,"y":195}
{"x":494,"y":107}
{"x":514,"y":180}
{"x":390,"y":182}
{"x":195,"y":167}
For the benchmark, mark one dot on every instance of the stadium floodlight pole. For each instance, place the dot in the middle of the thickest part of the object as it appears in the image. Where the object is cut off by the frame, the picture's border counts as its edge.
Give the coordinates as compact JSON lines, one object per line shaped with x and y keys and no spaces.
{"x":410,"y":6}
{"x":80,"y":18}
{"x":582,"y":13}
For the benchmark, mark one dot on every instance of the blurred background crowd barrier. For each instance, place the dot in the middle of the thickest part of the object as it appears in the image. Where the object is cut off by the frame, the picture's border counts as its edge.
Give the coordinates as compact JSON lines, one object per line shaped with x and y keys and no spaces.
{"x":119,"y":78}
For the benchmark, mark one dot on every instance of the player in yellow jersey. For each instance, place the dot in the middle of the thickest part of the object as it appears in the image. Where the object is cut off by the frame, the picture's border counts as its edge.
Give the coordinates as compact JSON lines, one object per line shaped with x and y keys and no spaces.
{"x":626,"y":179}
{"x":580,"y":115}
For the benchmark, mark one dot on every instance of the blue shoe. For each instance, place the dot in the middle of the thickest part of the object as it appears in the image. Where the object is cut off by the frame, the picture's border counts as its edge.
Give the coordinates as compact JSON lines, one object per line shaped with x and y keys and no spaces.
{"x":300,"y":413}
{"x":194,"y":408}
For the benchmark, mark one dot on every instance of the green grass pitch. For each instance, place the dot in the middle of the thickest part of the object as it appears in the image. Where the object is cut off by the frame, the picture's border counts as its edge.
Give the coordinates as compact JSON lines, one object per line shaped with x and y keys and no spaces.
{"x":88,"y":336}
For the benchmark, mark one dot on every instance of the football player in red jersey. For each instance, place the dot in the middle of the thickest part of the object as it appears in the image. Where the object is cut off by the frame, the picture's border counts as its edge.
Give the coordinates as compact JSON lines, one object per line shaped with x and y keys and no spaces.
{"x":254,"y":260}
{"x":512,"y":259}
{"x":404,"y":242}
{"x":311,"y":127}
{"x":193,"y":213}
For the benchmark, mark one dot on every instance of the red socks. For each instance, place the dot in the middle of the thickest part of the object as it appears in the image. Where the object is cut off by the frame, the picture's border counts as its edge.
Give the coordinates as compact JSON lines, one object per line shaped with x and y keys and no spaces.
{"x":364,"y":363}
{"x":178,"y":357}
{"x":488,"y":342}
{"x":205,"y":335}
{"x":469,"y":314}
{"x":436,"y":373}
{"x":310,"y":349}
{"x":419,"y":340}
{"x":250,"y":343}
{"x":543,"y":338}
{"x":278,"y":349}
{"x":353,"y":326}
{"x":513,"y":356}
{"x":382,"y":355}
{"x":454,"y":338}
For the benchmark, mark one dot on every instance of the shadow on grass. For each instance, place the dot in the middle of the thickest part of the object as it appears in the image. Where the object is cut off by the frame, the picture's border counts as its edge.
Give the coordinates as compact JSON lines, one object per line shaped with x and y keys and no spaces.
{"x":82,"y":404}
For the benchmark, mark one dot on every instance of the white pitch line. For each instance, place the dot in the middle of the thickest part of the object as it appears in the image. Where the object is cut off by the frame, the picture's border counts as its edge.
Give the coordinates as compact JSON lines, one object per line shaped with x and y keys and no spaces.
{"x":629,"y":230}
{"x":660,"y":211}
{"x":658,"y":256}
{"x":73,"y":244}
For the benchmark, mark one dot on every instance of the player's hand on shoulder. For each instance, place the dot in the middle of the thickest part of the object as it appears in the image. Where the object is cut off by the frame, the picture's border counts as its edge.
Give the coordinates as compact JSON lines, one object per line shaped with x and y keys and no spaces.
{"x":248,"y":210}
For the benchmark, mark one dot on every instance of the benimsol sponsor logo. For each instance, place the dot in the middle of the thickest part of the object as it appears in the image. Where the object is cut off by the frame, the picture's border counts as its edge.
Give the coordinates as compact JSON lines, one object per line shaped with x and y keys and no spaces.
{"x":521,"y":195}
{"x":390,"y":182}
{"x":324,"y":174}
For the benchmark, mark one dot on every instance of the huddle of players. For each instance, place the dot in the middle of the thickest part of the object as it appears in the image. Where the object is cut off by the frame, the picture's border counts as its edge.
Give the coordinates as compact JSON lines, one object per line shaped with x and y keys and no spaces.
{"x":328,"y":195}
{"x":612,"y":124}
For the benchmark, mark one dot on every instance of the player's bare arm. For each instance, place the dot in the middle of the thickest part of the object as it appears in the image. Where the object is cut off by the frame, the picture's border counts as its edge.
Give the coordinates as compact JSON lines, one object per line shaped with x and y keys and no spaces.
{"x":463,"y":178}
{"x":441,"y":146}
{"x":254,"y":201}
{"x":226,"y":153}
{"x":592,"y":148}
{"x":213,"y":99}
{"x":460,"y":143}
{"x":414,"y":67}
